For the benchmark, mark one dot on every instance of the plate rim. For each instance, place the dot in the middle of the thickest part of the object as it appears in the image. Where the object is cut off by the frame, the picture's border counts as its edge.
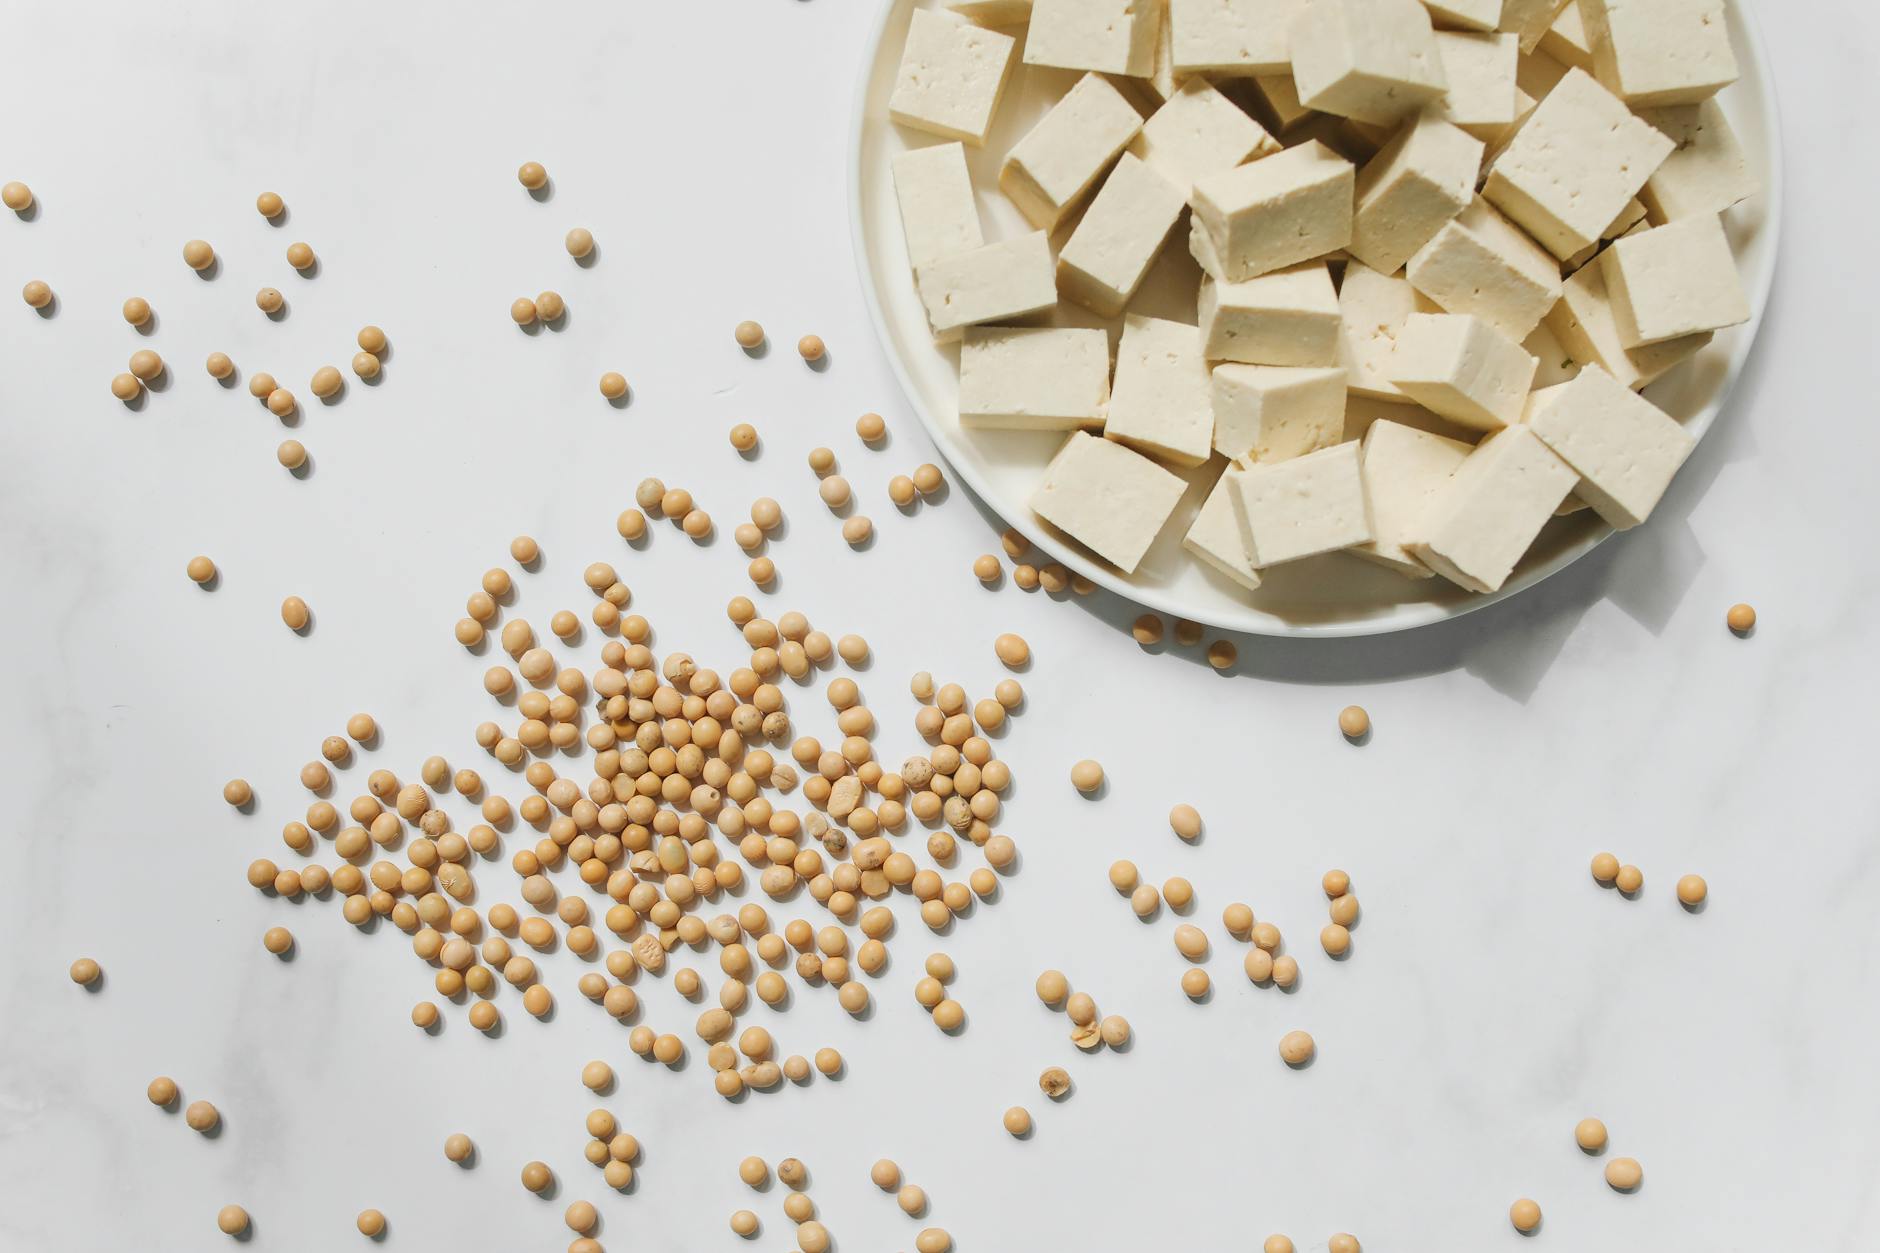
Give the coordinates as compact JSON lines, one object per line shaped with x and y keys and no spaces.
{"x":1425,"y":614}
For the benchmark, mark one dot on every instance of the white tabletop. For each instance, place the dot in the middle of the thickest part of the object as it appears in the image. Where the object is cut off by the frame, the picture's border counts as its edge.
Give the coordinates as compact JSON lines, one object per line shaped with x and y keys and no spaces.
{"x":1495,"y":995}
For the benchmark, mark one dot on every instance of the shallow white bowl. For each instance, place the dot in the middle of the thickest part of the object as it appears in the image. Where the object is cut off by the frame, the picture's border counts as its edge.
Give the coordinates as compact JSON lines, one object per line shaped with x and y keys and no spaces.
{"x":1324,"y":596}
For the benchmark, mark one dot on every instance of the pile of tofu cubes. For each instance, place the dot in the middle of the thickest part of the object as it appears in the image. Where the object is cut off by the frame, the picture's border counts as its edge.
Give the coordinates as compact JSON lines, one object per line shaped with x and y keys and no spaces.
{"x":1443,"y":245}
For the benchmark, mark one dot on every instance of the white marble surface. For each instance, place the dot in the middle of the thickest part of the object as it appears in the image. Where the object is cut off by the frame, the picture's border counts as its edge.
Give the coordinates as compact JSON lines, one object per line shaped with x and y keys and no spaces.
{"x":1495,"y":994}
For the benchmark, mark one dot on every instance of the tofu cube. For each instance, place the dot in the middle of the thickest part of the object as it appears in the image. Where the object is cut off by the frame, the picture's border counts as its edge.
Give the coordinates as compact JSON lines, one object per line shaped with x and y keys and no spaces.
{"x":1629,"y":217}
{"x":1657,"y":52}
{"x":1624,"y":448}
{"x":1573,"y":164}
{"x":1372,"y":60}
{"x":1496,"y":138}
{"x":951,"y":77}
{"x":1106,"y":257}
{"x":1585,"y":326}
{"x":1372,"y":310}
{"x":1554,"y":363}
{"x":1033,"y":378}
{"x":1488,"y":514}
{"x":1201,"y":248}
{"x":1528,"y":20}
{"x":1537,"y":73}
{"x":1464,"y":14}
{"x":1628,"y":220}
{"x":1048,"y":171}
{"x":1277,"y":94}
{"x":1461,"y":368}
{"x":1275,"y":412}
{"x":1108,"y":498}
{"x":999,"y":282}
{"x":1362,"y":413}
{"x":1404,"y":470}
{"x":1363,"y":140}
{"x":1151,"y":89}
{"x":1160,"y":402}
{"x":1274,"y":212}
{"x":1162,"y":80}
{"x":1199,"y":131}
{"x":939,"y":216}
{"x":1215,"y":536}
{"x":1481,"y":70}
{"x":1415,"y":184}
{"x":1566,"y":42}
{"x":1673,"y":280}
{"x":1288,"y":317}
{"x":1357,"y":142}
{"x":993,"y":12}
{"x":1108,"y":36}
{"x":1231,"y":36}
{"x":1299,"y":508}
{"x":1707,"y":171}
{"x":1480,"y":264}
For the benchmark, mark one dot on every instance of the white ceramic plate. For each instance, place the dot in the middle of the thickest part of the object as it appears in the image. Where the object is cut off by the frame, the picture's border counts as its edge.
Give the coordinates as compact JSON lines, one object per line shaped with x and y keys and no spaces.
{"x":1331,"y":595}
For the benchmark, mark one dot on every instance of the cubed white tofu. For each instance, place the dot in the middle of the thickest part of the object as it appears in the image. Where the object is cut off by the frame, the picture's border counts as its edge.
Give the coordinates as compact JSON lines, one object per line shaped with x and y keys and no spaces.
{"x":1215,"y":536}
{"x":1275,"y":212}
{"x":1108,"y":36}
{"x":1464,"y":14}
{"x":1570,"y":506}
{"x":1162,"y":79}
{"x":1673,"y":280}
{"x":1417,"y":182}
{"x":951,"y":77}
{"x":1280,"y":98}
{"x":1048,"y":171}
{"x":1707,"y":171}
{"x":1106,"y":257}
{"x":1231,"y":36}
{"x":1054,"y":378}
{"x":1199,"y":131}
{"x":1629,"y":217}
{"x":1496,"y":138}
{"x":939,"y":216}
{"x":1303,"y":506}
{"x":1366,"y":139}
{"x":1481,"y":74}
{"x":1480,"y":264}
{"x":1111,"y":499}
{"x":1553,"y":363}
{"x":1404,"y":469}
{"x":1529,"y":19}
{"x":1624,"y":448}
{"x":1489,"y":512}
{"x":1538,"y":73}
{"x":1373,"y":60}
{"x":1463,"y":369}
{"x":1657,"y":52}
{"x":1340,"y":134}
{"x":1201,"y":248}
{"x":1273,"y":412}
{"x":1362,"y":413}
{"x":1288,"y":317}
{"x":993,"y":12}
{"x":1628,"y":220}
{"x":1372,"y":310}
{"x":1566,"y":42}
{"x":1160,"y":403}
{"x":999,"y":282}
{"x":1573,"y":164}
{"x":1584,"y":324}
